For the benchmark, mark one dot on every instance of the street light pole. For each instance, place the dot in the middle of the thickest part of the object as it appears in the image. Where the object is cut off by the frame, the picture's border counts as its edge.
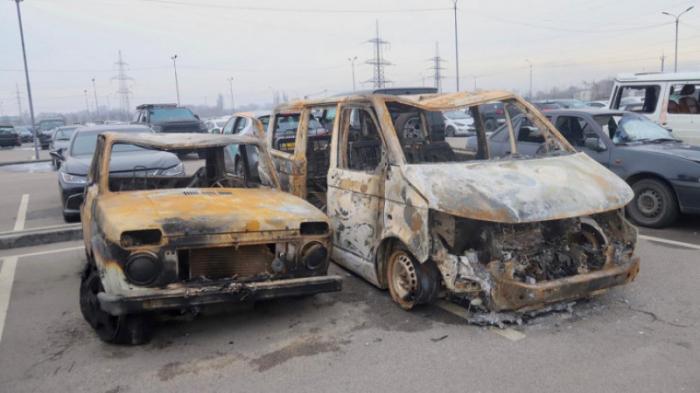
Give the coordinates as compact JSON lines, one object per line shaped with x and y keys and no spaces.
{"x":530,"y":63}
{"x":677,"y":17}
{"x":177,"y":84}
{"x":230,"y":85}
{"x":97,"y":106}
{"x":454,"y":2}
{"x":29,"y":87}
{"x":352,"y":64}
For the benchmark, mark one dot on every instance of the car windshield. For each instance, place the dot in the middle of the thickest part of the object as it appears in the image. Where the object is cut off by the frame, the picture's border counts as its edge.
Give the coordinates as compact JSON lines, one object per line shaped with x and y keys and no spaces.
{"x":64,"y":134}
{"x":50,"y":124}
{"x":85,"y":142}
{"x":6,"y":130}
{"x":632,"y":128}
{"x":456,"y":115}
{"x":160,"y":115}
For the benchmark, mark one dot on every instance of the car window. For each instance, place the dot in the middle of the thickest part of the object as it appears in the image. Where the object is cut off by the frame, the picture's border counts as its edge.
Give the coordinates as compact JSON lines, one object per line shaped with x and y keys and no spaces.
{"x":63,"y":134}
{"x":6,"y":130}
{"x":239,"y":125}
{"x":575,"y":129}
{"x":228,"y":128}
{"x":265,"y":120}
{"x":159,"y":115}
{"x":364,"y":146}
{"x":631,"y":128}
{"x":684,"y":99}
{"x":284,"y":133}
{"x":84,"y":144}
{"x":640,"y":99}
{"x":528,"y":132}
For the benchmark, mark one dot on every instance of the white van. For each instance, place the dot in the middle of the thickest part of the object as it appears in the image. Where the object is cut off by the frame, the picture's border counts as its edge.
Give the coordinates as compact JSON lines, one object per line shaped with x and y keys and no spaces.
{"x":669,"y":99}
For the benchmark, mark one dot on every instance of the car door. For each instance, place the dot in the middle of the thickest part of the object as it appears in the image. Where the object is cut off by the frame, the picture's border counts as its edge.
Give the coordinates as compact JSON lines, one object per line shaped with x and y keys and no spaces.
{"x":287,"y":143}
{"x":682,"y":120}
{"x":356,"y":185}
{"x":576,"y":128}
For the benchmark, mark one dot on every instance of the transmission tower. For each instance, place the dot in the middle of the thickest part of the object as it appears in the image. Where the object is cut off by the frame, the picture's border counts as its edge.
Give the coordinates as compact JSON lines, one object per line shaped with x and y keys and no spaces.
{"x":437,"y":68}
{"x":19,"y":102}
{"x":123,"y":90}
{"x":377,"y":62}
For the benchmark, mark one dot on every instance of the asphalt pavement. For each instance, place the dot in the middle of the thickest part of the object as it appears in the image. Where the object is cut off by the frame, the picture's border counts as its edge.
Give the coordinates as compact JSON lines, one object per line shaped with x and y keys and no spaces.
{"x":21,"y":153}
{"x":644,"y":337}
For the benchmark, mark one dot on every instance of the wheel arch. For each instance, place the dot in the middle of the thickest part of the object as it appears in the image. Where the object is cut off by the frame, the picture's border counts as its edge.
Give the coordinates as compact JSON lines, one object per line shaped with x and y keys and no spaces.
{"x":652,"y":176}
{"x":383,"y":250}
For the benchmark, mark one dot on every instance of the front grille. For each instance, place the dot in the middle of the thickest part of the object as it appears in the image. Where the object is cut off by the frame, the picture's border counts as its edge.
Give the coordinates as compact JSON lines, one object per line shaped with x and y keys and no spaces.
{"x":226,"y":262}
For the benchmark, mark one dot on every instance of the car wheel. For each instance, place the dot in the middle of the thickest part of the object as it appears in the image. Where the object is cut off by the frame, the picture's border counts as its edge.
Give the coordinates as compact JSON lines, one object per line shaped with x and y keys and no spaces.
{"x":71,"y":217}
{"x":654,"y":204}
{"x":411,"y":283}
{"x":490,"y":124}
{"x":123,"y":329}
{"x":450,"y":131}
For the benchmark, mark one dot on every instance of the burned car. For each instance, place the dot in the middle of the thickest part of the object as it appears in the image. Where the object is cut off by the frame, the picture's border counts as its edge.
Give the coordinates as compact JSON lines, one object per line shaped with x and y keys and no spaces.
{"x":177,"y":243}
{"x":413,"y":214}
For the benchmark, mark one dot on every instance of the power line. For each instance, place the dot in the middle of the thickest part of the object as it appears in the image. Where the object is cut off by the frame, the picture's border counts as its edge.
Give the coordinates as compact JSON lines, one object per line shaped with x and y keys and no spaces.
{"x":296,"y":9}
{"x":378,"y":62}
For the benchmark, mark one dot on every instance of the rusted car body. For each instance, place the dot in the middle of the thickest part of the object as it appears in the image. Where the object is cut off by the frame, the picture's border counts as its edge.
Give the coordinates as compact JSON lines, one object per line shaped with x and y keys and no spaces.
{"x":414,"y":215}
{"x":219,"y":235}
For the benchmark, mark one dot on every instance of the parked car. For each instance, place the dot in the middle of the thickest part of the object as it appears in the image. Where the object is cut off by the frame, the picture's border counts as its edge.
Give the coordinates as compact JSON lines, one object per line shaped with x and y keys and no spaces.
{"x":46,"y":128}
{"x":214,"y":126}
{"x":179,"y":243}
{"x":238,"y":124}
{"x":127,"y":161}
{"x":61,"y":140}
{"x":8,"y":136}
{"x":597,"y":104}
{"x":25,"y":134}
{"x":493,"y":115}
{"x":458,"y":123}
{"x":168,"y":118}
{"x":565,"y":103}
{"x":671,"y":100}
{"x":663,"y":172}
{"x":413,"y":215}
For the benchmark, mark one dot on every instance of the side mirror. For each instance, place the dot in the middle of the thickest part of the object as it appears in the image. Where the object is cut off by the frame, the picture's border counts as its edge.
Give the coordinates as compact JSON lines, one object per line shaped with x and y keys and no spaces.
{"x":197,"y":116}
{"x":57,"y":154}
{"x":595,"y":144}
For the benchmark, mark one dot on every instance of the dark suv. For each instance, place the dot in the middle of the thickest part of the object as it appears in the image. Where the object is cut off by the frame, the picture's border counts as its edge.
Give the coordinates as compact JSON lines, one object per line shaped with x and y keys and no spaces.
{"x":169,"y":118}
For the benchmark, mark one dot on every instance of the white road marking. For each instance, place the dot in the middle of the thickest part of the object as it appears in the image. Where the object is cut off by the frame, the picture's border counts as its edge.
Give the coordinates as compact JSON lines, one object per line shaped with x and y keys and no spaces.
{"x":672,"y":242}
{"x":510,"y":334}
{"x":7,"y":276}
{"x":47,"y":252}
{"x":22,"y":212}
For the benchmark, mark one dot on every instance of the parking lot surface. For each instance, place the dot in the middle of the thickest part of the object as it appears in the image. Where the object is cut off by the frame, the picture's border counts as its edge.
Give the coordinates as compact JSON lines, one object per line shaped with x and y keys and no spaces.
{"x":643,"y":337}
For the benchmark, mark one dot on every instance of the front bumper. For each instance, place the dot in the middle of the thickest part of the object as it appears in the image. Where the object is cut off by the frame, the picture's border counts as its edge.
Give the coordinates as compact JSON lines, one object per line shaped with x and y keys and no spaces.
{"x":233,"y":293}
{"x":508,"y":294}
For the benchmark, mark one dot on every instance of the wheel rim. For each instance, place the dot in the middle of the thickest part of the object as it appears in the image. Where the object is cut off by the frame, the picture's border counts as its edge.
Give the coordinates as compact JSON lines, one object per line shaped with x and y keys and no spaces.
{"x":404,"y":278}
{"x":649,"y":203}
{"x":412,"y":129}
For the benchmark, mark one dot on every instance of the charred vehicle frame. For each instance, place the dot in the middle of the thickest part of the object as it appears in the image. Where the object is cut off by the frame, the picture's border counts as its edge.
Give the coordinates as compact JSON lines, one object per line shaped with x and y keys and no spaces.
{"x":177,"y":243}
{"x":412,"y":214}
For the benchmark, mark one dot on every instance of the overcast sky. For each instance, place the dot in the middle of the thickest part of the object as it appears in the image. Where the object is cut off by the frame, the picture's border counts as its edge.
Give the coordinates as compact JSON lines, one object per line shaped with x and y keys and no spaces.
{"x":302,"y":47}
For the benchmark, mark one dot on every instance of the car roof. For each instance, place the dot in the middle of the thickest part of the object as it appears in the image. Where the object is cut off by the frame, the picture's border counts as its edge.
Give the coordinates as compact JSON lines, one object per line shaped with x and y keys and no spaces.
{"x":587,"y":111}
{"x":148,"y":106}
{"x":113,"y":128}
{"x":659,"y":77}
{"x":180,"y":141}
{"x":393,"y":91}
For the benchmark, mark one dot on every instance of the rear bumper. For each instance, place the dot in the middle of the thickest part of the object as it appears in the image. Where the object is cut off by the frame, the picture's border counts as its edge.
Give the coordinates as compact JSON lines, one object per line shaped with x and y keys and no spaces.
{"x":515,"y":295}
{"x":202,"y":296}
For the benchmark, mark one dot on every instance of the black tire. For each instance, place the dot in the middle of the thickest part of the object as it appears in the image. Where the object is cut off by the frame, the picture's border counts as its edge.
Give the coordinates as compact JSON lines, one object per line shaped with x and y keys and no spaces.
{"x":654,"y":204}
{"x":411,"y":283}
{"x":71,"y":217}
{"x":123,"y":329}
{"x":490,"y":124}
{"x":450,"y":131}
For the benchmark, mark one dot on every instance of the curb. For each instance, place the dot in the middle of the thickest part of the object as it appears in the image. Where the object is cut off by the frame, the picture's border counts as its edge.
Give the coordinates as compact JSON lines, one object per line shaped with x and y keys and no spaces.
{"x":23,"y":162}
{"x":34,"y":237}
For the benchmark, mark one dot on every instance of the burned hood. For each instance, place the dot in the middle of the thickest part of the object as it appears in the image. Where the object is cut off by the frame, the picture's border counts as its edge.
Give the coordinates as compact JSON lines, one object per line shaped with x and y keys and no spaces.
{"x":201,"y":211}
{"x":518,"y":191}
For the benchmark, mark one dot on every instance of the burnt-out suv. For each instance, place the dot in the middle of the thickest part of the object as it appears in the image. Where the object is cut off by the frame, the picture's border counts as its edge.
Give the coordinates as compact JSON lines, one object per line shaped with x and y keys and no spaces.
{"x":415,"y":215}
{"x":161,"y":243}
{"x":169,"y":118}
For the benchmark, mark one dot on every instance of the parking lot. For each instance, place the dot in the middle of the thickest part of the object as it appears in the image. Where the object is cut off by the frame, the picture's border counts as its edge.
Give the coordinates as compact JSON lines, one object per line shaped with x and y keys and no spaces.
{"x":642,"y":337}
